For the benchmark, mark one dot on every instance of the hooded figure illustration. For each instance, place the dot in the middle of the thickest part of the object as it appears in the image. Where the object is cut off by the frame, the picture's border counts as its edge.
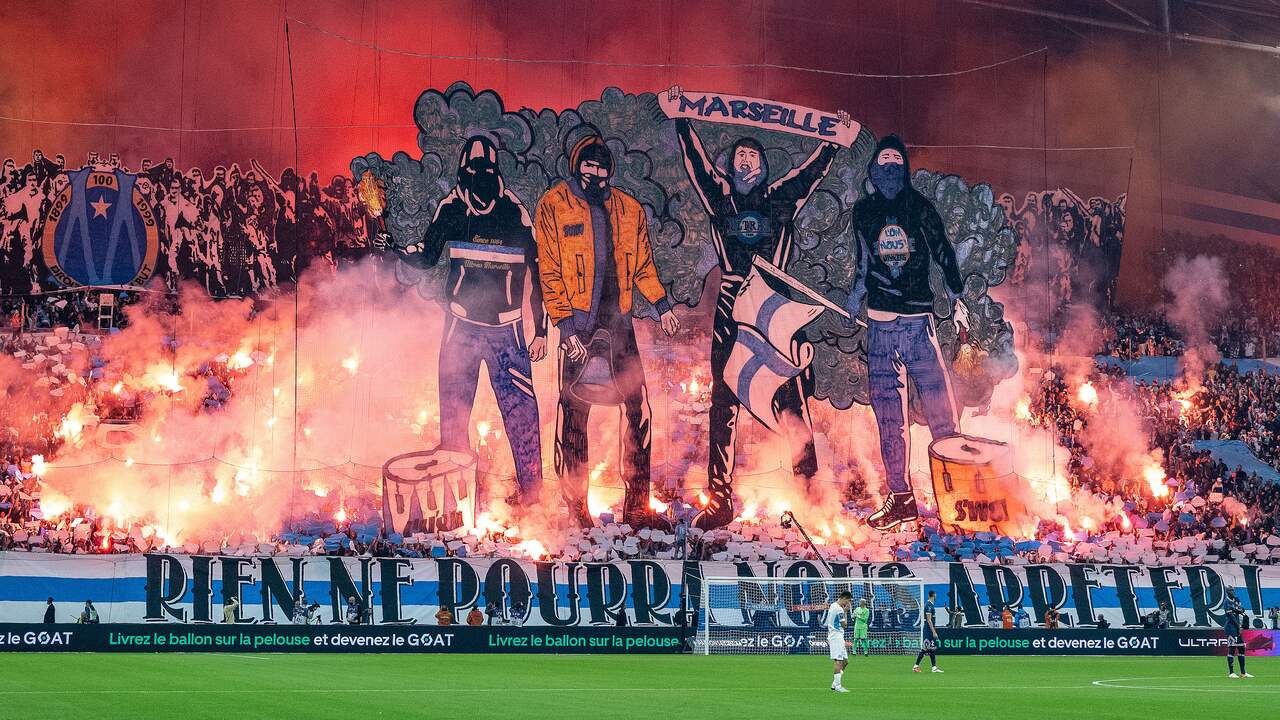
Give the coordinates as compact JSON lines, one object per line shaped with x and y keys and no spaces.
{"x":492,"y":254}
{"x":750,"y":217}
{"x":900,"y":236}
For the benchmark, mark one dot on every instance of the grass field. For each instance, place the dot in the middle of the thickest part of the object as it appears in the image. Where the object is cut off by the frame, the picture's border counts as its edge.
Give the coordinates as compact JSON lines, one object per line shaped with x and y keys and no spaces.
{"x":307,"y":686}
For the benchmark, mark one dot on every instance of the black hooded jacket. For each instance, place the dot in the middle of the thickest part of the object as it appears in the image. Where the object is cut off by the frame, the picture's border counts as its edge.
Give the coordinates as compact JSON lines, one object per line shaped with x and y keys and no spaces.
{"x":760,"y":222}
{"x":491,"y":253}
{"x":896,"y":239}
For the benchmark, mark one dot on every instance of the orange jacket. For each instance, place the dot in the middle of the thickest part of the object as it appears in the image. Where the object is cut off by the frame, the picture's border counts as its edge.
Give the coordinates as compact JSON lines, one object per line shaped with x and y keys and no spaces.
{"x":566,"y":257}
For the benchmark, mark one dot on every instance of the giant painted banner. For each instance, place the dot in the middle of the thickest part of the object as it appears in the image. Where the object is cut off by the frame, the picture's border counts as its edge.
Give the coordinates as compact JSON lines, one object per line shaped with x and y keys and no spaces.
{"x":195,"y":589}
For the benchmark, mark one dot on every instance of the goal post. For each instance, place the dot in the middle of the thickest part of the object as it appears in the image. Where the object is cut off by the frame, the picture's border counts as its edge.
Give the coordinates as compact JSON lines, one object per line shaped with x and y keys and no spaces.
{"x":788,"y":616}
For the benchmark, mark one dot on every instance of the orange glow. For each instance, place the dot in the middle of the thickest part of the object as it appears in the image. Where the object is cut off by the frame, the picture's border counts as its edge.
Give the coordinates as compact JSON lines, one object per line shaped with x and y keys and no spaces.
{"x":532,"y":549}
{"x":351,"y":364}
{"x":1087,"y":394}
{"x":53,"y":503}
{"x":38,"y":465}
{"x":703,"y":500}
{"x":1155,"y":477}
{"x":1022,"y":410}
{"x":341,"y":515}
{"x":657,"y":505}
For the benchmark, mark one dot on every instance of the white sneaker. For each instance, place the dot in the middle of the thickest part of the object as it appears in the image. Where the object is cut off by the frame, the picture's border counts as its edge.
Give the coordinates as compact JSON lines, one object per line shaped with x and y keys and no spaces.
{"x":840,"y":688}
{"x":1233,"y":675}
{"x":1247,"y":675}
{"x":937,"y":669}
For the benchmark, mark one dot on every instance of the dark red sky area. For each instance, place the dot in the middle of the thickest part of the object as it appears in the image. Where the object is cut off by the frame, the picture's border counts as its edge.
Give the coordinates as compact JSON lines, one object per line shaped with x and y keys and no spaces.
{"x":1195,"y":115}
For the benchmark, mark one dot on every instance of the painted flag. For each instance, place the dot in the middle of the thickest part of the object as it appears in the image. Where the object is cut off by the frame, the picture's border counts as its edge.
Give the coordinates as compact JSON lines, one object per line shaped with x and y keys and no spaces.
{"x":770,"y":308}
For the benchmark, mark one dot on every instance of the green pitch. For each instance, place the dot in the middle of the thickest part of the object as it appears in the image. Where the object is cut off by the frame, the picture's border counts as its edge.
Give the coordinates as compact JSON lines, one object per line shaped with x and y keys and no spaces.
{"x":304,"y":687}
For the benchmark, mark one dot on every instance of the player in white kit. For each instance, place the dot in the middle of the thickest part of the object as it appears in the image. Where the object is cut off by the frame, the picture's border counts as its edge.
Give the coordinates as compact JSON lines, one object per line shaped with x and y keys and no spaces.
{"x":837,"y":622}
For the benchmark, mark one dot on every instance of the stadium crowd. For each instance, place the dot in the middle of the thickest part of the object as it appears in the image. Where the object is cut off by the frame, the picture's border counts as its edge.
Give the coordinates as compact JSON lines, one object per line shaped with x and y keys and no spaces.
{"x":234,"y":231}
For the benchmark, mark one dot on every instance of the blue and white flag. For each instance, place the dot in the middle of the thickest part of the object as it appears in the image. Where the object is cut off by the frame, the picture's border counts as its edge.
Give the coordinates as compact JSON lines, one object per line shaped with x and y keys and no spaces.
{"x":766,"y":354}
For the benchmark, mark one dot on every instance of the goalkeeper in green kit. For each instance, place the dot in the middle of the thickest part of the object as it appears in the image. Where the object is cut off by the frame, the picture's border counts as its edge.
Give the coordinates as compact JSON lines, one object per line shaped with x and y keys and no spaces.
{"x":861,"y":616}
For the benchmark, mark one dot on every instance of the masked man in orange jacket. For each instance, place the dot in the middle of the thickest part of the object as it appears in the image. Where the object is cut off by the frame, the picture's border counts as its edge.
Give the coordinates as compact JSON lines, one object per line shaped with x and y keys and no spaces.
{"x":593,"y":242}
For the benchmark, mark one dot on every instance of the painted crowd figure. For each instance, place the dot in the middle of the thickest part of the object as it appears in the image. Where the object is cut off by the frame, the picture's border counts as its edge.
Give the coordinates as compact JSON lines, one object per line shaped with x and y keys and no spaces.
{"x":900,"y":236}
{"x":750,"y":217}
{"x":594,"y":243}
{"x":491,"y":250}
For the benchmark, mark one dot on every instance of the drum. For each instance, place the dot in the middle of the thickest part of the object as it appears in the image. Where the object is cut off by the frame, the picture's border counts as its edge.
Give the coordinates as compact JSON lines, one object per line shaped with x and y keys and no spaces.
{"x":429,"y":491}
{"x":974,"y":484}
{"x":114,"y":435}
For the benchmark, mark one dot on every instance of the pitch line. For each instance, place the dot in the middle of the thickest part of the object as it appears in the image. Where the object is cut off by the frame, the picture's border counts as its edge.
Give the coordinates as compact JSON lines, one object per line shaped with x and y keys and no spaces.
{"x":1233,"y":689}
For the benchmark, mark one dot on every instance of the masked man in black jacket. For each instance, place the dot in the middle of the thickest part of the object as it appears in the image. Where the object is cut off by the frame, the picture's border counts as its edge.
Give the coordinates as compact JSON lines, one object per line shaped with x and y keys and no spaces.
{"x":900,"y":237}
{"x":492,"y":254}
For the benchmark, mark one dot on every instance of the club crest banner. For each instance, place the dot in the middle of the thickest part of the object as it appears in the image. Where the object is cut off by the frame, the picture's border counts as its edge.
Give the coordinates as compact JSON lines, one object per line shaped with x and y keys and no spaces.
{"x":101,"y":231}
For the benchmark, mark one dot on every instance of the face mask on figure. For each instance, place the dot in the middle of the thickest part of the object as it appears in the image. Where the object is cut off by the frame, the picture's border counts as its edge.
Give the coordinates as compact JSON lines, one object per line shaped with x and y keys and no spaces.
{"x":478,"y":175}
{"x":747,"y":164}
{"x":595,"y":165}
{"x":888,"y":172}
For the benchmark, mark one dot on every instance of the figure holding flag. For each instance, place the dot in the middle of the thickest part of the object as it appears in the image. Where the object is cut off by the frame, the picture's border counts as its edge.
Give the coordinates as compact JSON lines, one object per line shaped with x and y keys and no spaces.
{"x":900,"y":237}
{"x":755,"y":361}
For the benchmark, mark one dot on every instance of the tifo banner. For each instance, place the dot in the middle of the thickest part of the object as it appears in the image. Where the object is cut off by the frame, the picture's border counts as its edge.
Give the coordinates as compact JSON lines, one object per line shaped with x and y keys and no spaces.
{"x":396,"y":590}
{"x":1030,"y":641}
{"x":759,"y":113}
{"x":27,"y":637}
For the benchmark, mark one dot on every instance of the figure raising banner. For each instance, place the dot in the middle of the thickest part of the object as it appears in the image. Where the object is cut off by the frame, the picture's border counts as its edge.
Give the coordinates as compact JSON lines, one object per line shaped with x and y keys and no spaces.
{"x":752,"y":219}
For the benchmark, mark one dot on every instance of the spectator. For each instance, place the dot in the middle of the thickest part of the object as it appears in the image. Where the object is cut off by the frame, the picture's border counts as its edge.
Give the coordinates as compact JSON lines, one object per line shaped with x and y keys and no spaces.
{"x":230,"y":611}
{"x":444,"y":617}
{"x":1006,"y":618}
{"x":90,"y":613}
{"x":355,"y":611}
{"x":1103,"y":623}
{"x":475,"y":618}
{"x":1021,"y":618}
{"x":491,"y":613}
{"x":1051,"y":619}
{"x":49,"y":613}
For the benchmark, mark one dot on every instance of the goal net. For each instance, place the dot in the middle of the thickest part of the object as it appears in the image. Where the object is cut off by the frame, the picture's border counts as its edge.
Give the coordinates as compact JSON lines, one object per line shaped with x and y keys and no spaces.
{"x":788,"y":616}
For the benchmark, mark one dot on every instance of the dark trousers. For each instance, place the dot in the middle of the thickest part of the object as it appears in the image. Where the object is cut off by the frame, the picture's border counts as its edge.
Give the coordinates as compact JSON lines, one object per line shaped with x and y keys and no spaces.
{"x":573,"y":416}
{"x":790,"y":402}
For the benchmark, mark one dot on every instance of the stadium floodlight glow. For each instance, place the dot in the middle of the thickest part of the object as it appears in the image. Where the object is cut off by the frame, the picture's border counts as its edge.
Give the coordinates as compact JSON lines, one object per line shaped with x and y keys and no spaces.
{"x":787,"y":615}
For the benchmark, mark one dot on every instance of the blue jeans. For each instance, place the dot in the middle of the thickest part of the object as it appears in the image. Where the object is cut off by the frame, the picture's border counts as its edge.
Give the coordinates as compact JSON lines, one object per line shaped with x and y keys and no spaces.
{"x":502,"y":350}
{"x":897,"y":350}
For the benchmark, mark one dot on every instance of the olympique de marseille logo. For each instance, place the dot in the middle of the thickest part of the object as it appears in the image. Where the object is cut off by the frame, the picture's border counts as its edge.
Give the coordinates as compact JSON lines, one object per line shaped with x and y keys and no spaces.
{"x":101,"y":231}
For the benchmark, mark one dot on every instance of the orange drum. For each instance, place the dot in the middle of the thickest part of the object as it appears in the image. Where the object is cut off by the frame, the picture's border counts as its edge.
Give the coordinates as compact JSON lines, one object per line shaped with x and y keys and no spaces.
{"x":429,"y":491}
{"x":974,"y":484}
